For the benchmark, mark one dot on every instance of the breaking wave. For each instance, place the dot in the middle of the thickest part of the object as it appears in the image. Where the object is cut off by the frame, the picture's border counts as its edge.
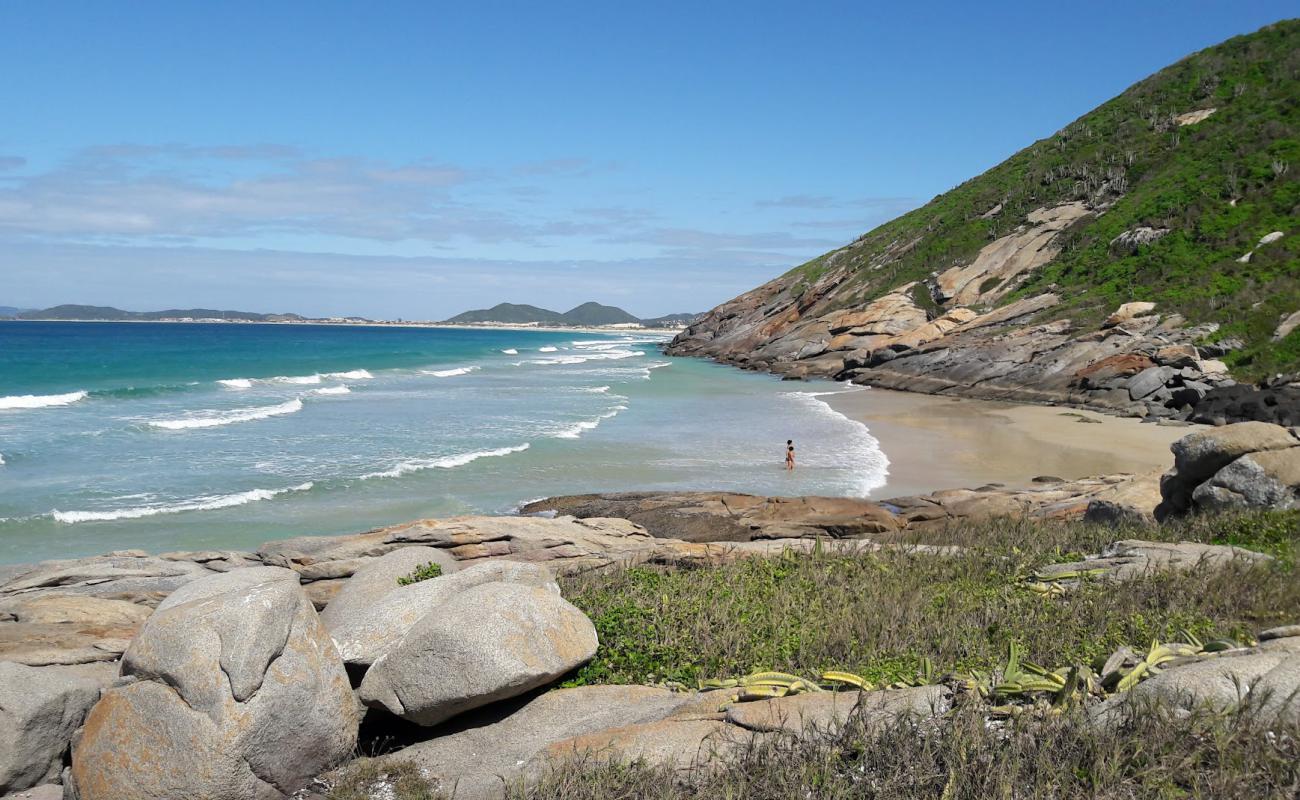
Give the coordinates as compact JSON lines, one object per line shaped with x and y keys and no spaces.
{"x":40,"y":400}
{"x":449,"y":373}
{"x":217,"y":418}
{"x":576,"y":430}
{"x":332,"y":390}
{"x":446,"y":462}
{"x":207,"y":503}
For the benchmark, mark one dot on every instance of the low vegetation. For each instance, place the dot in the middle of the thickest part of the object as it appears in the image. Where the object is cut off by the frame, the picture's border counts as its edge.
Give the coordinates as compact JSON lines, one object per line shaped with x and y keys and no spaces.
{"x":883,"y":615}
{"x":367,"y":779}
{"x":964,"y":758}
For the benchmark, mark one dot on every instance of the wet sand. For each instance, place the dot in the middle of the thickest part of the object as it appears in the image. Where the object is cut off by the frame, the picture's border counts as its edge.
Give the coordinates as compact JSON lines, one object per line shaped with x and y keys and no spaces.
{"x":942,"y":442}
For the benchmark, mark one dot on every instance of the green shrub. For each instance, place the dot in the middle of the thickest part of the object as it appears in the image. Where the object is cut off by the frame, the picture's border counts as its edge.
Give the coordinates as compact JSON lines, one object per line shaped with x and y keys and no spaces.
{"x":421,"y":573}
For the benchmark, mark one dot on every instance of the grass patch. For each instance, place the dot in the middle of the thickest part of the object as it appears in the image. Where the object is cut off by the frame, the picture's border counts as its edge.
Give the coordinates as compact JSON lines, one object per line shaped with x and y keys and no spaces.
{"x":963,"y":758}
{"x":366,"y":779}
{"x":881,"y":615}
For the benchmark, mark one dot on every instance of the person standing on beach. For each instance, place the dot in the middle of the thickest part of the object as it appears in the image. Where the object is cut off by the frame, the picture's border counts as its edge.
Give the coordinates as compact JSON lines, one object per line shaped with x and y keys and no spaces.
{"x":789,"y":453}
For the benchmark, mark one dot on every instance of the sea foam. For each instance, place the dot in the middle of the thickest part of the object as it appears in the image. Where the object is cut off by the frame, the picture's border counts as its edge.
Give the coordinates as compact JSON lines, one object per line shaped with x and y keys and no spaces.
{"x":40,"y":400}
{"x":332,"y":390}
{"x":236,"y":383}
{"x":449,"y":373}
{"x":510,"y":351}
{"x":217,"y":418}
{"x":446,"y":462}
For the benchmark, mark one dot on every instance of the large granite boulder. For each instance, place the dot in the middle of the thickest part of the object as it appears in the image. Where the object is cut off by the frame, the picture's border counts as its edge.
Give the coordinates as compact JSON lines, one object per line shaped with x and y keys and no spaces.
{"x":1269,"y":479}
{"x":369,"y":584}
{"x":364,"y":633}
{"x":1198,"y":456}
{"x":239,"y":693}
{"x":490,"y":643}
{"x":40,"y":708}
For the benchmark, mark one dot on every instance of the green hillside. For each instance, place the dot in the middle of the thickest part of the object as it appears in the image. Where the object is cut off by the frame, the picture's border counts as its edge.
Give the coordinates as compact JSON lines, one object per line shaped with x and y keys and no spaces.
{"x":510,"y":313}
{"x":1216,"y":186}
{"x":596,"y":314}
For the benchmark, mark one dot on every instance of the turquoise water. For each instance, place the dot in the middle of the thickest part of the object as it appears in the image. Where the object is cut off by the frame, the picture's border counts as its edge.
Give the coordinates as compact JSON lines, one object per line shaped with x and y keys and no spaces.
{"x":186,"y":436}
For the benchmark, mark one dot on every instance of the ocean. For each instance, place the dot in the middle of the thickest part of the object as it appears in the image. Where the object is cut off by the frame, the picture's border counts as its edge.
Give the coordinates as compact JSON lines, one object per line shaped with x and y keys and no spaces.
{"x":166,"y":436}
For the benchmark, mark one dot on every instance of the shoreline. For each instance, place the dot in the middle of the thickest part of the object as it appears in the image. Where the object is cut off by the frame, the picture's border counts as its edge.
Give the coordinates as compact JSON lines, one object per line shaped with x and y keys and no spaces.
{"x":371,"y":324}
{"x":936,"y":442}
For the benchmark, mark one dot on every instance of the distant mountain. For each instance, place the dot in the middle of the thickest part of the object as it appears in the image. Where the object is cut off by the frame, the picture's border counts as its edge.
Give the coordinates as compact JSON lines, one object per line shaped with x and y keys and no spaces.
{"x":110,"y":314}
{"x":596,"y":314}
{"x":585,"y":315}
{"x":11,"y":311}
{"x":510,"y":314}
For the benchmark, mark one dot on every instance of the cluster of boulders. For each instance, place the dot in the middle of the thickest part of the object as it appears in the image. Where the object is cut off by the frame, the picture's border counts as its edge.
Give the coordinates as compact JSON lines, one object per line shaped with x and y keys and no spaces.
{"x":1244,"y":465}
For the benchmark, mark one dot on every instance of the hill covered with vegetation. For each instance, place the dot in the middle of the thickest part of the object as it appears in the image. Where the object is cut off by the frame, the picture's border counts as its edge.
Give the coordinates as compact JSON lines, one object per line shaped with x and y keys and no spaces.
{"x":1183,"y":191}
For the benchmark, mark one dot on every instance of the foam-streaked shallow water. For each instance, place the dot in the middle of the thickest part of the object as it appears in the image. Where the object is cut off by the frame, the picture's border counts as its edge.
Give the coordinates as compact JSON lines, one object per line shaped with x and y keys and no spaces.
{"x":173,"y":437}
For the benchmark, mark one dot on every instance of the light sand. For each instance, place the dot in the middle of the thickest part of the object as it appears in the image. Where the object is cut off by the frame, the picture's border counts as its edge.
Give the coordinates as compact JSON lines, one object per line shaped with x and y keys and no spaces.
{"x":942,"y":442}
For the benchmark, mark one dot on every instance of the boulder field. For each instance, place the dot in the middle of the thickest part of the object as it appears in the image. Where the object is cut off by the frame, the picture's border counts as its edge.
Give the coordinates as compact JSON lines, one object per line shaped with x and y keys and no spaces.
{"x":224,"y":674}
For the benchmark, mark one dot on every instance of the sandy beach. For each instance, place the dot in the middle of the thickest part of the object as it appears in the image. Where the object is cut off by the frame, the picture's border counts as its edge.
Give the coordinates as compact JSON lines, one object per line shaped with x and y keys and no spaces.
{"x":943,"y":442}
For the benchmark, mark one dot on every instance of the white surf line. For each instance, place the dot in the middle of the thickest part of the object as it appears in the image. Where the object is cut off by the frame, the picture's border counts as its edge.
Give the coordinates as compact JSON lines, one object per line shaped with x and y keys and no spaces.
{"x":25,"y":401}
{"x":868,"y":457}
{"x":449,"y":373}
{"x":445,"y":462}
{"x":207,"y":503}
{"x":217,"y":418}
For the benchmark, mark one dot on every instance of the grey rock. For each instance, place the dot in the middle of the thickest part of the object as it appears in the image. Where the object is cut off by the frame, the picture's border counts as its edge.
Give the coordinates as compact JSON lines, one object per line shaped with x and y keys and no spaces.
{"x":1148,"y":381}
{"x":1281,"y":632}
{"x":1109,"y":512}
{"x":490,"y":643}
{"x":40,"y":708}
{"x":111,"y":576}
{"x":1269,"y":479}
{"x":1275,"y":698}
{"x":1198,"y":456}
{"x":476,"y":753}
{"x":239,"y":693}
{"x":363,"y":635}
{"x":379,"y":577}
{"x":827,"y":712}
{"x":1218,"y":684}
{"x":46,"y":791}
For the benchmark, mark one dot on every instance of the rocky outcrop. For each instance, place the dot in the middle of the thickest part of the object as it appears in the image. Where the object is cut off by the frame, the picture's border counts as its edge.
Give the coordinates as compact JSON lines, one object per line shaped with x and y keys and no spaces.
{"x":726,"y":516}
{"x":1245,"y":465}
{"x":492,"y":642}
{"x":238,"y":693}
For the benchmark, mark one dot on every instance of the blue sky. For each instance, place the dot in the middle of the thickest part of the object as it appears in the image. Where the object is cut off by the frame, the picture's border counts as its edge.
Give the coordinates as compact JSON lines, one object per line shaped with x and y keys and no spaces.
{"x":416,"y":159}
